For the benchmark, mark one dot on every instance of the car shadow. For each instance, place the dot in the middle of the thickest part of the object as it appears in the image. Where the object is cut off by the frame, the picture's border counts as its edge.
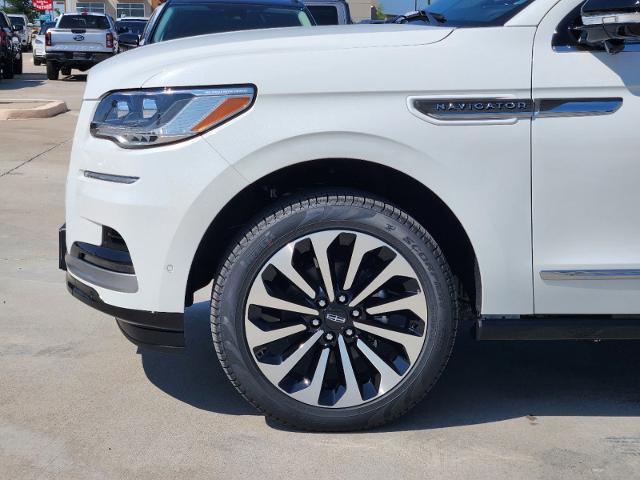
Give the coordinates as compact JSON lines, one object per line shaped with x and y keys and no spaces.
{"x":195,"y":376}
{"x":483,"y":382}
{"x":24,"y":80}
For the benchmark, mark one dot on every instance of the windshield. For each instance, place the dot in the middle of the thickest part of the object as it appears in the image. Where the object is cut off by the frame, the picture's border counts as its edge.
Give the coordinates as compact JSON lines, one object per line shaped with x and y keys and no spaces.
{"x":132,"y":26}
{"x":84,"y":22}
{"x":476,"y":12}
{"x":17,"y":20}
{"x":182,"y":20}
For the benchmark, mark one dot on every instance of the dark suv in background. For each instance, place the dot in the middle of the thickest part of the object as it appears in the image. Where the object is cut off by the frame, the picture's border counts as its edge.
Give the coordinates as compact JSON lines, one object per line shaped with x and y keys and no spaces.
{"x":10,"y":50}
{"x":186,"y":18}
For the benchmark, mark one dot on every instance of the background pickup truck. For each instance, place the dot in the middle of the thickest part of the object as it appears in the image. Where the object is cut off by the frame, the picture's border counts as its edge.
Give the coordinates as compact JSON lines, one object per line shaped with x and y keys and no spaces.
{"x":79,"y":40}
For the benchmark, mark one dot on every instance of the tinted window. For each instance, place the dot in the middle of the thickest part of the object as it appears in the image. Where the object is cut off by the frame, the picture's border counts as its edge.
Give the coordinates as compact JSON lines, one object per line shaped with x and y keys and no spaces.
{"x":84,"y":21}
{"x":17,"y":20}
{"x":3,"y":22}
{"x":477,"y":12}
{"x":134,"y":27}
{"x":324,"y":14}
{"x":180,"y":21}
{"x":45,"y":27}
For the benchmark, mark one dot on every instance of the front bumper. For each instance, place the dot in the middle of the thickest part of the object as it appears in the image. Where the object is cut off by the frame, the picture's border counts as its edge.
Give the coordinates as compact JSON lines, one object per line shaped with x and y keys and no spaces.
{"x":160,"y":201}
{"x":141,"y":327}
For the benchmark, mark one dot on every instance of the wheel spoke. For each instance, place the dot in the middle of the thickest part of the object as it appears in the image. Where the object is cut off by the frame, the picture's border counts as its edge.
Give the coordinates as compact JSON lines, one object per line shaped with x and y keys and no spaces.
{"x":411,"y":343}
{"x":282,"y":261}
{"x":398,"y":267}
{"x":260,"y":297}
{"x":416,"y":303}
{"x":275,"y":373}
{"x":361,"y":246}
{"x":256,"y":336}
{"x":352,"y":394}
{"x":311,"y":394}
{"x":389,"y":378}
{"x":321,"y":242}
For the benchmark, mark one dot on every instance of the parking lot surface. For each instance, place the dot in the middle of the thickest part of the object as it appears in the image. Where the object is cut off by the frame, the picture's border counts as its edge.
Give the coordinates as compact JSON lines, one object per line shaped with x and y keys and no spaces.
{"x":77,"y":400}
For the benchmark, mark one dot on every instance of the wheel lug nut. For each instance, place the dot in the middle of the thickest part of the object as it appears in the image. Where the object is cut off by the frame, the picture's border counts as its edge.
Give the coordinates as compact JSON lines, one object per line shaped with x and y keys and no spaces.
{"x":355,"y":313}
{"x":342,"y":298}
{"x":348,"y":332}
{"x":322,"y":303}
{"x":328,"y":337}
{"x":315,"y":322}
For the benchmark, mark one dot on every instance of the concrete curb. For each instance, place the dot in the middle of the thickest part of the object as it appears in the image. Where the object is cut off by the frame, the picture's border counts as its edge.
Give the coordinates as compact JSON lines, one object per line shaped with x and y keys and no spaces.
{"x":50,"y":108}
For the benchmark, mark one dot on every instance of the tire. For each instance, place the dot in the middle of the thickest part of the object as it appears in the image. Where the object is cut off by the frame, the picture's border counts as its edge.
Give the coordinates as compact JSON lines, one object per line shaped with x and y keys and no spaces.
{"x":17,"y":66}
{"x":36,"y":61}
{"x":292,"y":387}
{"x":66,"y":71}
{"x":7,"y":69}
{"x":53,"y":71}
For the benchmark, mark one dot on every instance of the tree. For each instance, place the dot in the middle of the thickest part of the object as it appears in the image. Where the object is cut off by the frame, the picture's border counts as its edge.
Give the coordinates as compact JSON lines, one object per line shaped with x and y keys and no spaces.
{"x":379,"y":12}
{"x":21,"y":6}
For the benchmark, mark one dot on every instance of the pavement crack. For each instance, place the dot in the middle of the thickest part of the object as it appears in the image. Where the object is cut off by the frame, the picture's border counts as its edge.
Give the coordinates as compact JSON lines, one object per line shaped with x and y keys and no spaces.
{"x":33,"y":158}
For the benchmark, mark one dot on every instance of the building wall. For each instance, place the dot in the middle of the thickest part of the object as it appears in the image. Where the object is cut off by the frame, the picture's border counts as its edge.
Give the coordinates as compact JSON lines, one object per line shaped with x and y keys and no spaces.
{"x":115,"y":8}
{"x":360,"y":9}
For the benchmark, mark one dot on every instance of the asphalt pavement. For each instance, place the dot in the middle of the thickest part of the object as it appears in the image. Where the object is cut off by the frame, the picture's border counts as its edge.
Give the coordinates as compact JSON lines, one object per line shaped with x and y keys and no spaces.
{"x":77,"y":400}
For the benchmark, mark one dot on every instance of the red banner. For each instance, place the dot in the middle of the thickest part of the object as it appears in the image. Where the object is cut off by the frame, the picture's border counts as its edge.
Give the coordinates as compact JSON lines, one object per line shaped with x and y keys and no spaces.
{"x":42,"y":5}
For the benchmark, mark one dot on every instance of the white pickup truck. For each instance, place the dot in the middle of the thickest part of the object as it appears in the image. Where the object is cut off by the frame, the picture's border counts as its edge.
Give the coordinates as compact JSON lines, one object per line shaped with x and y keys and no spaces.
{"x":79,"y":40}
{"x":354,"y":191}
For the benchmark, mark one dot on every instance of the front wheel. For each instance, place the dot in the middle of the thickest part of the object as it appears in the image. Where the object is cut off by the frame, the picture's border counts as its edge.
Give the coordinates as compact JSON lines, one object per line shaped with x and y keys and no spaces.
{"x":334,"y":313}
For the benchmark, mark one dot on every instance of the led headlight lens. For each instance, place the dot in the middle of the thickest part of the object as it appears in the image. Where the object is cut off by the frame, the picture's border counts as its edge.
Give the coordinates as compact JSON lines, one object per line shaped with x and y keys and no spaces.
{"x":146,"y":118}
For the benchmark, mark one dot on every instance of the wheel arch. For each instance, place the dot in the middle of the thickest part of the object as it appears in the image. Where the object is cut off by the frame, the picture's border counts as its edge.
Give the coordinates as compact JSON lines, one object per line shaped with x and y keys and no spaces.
{"x":327,"y":174}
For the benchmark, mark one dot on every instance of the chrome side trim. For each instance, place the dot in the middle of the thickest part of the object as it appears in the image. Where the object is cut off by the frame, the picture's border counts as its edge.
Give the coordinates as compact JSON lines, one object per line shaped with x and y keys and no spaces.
{"x":474,"y":108}
{"x":576,"y":107}
{"x":107,"y":177}
{"x":612,"y":274}
{"x":460,"y":110}
{"x":116,"y":281}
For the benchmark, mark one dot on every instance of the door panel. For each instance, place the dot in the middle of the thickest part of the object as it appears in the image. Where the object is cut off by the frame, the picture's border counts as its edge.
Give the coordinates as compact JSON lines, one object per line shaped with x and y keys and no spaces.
{"x":585,"y":176}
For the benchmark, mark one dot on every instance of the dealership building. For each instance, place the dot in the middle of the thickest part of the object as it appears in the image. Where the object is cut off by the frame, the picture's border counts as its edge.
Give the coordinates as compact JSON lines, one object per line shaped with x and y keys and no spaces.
{"x":360,"y":9}
{"x":114,"y":8}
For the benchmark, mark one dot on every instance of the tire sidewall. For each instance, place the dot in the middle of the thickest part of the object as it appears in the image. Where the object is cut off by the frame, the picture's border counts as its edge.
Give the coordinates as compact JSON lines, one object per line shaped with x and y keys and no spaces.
{"x":291,"y":223}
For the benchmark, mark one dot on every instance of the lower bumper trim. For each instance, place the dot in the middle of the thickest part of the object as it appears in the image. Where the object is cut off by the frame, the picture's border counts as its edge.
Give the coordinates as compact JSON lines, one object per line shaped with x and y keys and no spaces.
{"x":141,"y":327}
{"x":561,"y":327}
{"x":116,"y":281}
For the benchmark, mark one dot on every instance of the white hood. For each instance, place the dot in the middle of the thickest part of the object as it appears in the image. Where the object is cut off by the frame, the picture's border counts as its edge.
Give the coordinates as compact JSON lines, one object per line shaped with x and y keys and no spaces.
{"x":247,"y":57}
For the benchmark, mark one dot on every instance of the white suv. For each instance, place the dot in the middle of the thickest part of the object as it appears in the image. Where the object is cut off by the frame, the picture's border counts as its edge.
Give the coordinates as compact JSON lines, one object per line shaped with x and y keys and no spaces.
{"x":353,"y":191}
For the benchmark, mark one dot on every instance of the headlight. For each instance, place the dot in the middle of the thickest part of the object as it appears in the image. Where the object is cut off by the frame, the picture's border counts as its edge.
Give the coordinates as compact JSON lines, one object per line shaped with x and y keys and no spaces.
{"x":146,"y":118}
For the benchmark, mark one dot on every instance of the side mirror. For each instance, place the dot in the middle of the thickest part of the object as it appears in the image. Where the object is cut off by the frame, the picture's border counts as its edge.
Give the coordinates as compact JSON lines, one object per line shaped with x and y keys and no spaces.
{"x":129,"y":40}
{"x":30,"y":25}
{"x":610,"y":24}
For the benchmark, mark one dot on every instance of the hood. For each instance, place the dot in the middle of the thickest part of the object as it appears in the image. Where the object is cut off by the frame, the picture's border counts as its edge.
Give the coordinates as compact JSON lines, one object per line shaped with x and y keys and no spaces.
{"x":241,"y":57}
